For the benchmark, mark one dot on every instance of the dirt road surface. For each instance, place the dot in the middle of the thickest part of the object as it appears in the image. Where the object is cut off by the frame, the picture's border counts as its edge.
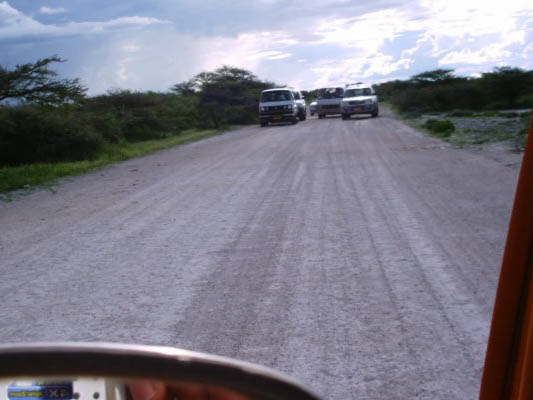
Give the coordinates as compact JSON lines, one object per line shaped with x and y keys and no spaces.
{"x":360,"y":257}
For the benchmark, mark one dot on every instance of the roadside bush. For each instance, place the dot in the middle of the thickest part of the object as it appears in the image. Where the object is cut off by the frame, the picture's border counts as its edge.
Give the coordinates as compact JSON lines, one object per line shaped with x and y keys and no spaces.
{"x":441,"y":90}
{"x":525,"y":101}
{"x":241,"y":114}
{"x":496,"y":105}
{"x":33,"y":134}
{"x":145,"y":125}
{"x":181,"y":112}
{"x":412,"y":114}
{"x":407,"y":100}
{"x":138,"y":116}
{"x":440,"y":128}
{"x":225,"y":96}
{"x":108,"y":125}
{"x":506,"y":85}
{"x":120,"y":101}
{"x":509,"y":114}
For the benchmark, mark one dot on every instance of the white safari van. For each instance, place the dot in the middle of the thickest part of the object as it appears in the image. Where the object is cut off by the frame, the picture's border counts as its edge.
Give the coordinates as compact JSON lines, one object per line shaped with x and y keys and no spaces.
{"x":281,"y":104}
{"x":359,"y":98}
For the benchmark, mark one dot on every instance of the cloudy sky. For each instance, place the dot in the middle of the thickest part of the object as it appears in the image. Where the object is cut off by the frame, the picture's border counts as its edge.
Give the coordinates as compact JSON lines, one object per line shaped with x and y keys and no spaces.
{"x":153,"y":44}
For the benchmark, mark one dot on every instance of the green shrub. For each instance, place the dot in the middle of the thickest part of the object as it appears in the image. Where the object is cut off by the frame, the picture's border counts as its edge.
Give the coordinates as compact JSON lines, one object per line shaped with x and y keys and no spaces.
{"x":406,"y":100}
{"x":525,"y":101}
{"x":497,"y":105}
{"x":34,"y":134}
{"x":145,"y":125}
{"x":441,"y":128}
{"x":509,"y":114}
{"x":108,"y":125}
{"x":441,"y":90}
{"x":438,"y":97}
{"x":506,"y":85}
{"x":123,"y":100}
{"x":411,"y":114}
{"x":180,"y":112}
{"x":143,"y":115}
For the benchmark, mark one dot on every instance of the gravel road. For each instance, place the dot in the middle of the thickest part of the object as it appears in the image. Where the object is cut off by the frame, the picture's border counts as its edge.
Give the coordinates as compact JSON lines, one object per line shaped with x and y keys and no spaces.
{"x":360,"y":257}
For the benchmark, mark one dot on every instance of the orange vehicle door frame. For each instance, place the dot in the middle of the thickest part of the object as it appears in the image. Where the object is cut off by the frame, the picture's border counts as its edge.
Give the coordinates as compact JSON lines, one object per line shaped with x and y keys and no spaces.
{"x":508,"y":371}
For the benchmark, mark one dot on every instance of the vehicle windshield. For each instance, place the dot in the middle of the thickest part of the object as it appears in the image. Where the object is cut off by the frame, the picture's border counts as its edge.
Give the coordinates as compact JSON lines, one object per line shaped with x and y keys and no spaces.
{"x":357,"y":92}
{"x":276,"y":95}
{"x":330,"y":93}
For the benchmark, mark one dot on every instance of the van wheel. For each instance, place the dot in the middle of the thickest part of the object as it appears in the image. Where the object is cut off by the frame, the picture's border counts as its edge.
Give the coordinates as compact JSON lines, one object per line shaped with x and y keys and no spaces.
{"x":320,"y":116}
{"x":345,"y":116}
{"x":374,"y":114}
{"x":294,"y":121}
{"x":264,"y":123}
{"x":302,"y":116}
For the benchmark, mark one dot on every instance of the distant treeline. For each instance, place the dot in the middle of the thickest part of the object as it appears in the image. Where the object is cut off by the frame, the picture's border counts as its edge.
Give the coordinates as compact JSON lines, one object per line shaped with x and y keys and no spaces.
{"x":442,"y":90}
{"x":45,"y":119}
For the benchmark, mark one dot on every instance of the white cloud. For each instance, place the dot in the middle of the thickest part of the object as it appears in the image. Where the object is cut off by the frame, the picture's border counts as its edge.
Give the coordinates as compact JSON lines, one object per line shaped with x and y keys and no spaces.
{"x":50,"y":11}
{"x":131,"y":47}
{"x":527,"y":52}
{"x":357,"y":68}
{"x":441,"y":29}
{"x":442,"y":25}
{"x":161,"y":59}
{"x":278,"y":55}
{"x":16,"y":25}
{"x":123,"y":72}
{"x":493,"y":53}
{"x":449,"y":24}
{"x":248,"y":50}
{"x":13,"y":22}
{"x":367,"y":32}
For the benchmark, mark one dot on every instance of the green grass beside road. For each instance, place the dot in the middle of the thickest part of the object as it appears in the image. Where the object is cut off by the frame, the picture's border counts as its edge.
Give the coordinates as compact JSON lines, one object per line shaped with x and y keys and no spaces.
{"x":28,"y":176}
{"x":464,"y":128}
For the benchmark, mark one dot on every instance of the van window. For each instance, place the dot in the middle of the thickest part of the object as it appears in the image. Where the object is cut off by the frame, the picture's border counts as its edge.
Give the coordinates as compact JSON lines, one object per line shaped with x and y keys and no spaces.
{"x":276,"y":95}
{"x":330,"y":93}
{"x":358,"y":92}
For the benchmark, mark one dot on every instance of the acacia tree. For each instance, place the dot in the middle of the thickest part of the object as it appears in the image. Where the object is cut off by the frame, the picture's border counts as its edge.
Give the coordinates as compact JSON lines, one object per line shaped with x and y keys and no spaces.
{"x":226,"y":95}
{"x":37,"y":83}
{"x":436,"y":77}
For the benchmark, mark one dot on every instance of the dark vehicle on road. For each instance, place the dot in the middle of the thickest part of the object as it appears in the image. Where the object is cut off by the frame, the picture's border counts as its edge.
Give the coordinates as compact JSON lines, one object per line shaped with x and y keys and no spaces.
{"x":329,"y":101}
